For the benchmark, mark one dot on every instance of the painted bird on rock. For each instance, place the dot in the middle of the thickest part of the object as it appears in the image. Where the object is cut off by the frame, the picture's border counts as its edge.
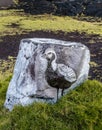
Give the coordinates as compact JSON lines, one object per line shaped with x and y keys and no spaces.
{"x":58,"y":75}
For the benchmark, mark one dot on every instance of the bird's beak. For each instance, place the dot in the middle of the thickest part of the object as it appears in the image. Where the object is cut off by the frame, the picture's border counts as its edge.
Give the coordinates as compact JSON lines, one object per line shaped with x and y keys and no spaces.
{"x":44,"y":55}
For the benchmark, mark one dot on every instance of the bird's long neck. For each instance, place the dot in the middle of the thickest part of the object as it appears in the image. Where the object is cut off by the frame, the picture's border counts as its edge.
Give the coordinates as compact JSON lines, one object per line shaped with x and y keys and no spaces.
{"x":54,"y":64}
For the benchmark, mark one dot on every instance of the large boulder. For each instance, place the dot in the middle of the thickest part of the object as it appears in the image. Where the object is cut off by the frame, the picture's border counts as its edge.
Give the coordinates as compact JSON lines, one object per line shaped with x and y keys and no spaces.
{"x":37,"y":6}
{"x":71,"y":8}
{"x":62,"y":7}
{"x":45,"y":70}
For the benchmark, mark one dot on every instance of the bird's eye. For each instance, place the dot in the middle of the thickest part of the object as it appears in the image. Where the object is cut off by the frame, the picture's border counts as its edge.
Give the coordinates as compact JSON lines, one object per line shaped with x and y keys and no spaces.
{"x":49,"y":53}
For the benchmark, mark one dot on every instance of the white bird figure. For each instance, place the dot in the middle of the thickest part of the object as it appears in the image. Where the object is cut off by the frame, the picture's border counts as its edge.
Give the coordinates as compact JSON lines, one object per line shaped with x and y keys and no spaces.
{"x":58,"y":75}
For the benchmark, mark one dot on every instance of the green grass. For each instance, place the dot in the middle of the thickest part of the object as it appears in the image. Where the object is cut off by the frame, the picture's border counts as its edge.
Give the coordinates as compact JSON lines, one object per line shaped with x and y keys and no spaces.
{"x":44,"y":22}
{"x":81,"y":109}
{"x":6,"y":67}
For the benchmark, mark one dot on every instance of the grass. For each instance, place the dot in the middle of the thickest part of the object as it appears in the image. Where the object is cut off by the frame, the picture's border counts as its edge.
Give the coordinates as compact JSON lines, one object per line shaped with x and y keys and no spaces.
{"x":6,"y":67}
{"x":44,"y":22}
{"x":93,"y":64}
{"x":81,"y":109}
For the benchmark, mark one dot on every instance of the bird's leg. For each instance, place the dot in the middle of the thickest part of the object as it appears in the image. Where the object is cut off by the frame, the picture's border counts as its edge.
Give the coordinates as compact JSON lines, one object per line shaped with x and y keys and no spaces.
{"x":57,"y":93}
{"x":62,"y":92}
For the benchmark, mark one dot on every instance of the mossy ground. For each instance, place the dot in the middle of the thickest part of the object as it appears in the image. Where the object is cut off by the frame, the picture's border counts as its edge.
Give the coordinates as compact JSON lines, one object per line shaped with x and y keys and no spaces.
{"x":15,"y":21}
{"x":81,"y":109}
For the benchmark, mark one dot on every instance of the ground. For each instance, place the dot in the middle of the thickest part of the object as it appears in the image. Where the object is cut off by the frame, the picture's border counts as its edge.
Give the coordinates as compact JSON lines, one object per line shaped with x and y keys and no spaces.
{"x":9,"y":46}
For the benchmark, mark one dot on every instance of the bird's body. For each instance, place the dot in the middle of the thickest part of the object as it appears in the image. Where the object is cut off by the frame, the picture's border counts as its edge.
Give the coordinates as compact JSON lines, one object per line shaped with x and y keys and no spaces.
{"x":58,"y":75}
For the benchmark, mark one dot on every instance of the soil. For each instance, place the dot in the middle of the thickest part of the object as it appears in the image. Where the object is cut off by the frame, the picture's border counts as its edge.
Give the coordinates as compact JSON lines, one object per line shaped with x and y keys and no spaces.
{"x":9,"y":46}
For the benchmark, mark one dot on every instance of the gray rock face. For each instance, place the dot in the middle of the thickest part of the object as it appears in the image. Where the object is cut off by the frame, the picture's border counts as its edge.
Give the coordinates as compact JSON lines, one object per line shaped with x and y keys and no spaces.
{"x":45,"y":70}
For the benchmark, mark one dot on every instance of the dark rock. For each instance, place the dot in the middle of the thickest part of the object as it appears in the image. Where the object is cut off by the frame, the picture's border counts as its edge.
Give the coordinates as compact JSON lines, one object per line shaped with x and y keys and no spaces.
{"x":63,"y":7}
{"x":39,"y":7}
{"x":94,"y":9}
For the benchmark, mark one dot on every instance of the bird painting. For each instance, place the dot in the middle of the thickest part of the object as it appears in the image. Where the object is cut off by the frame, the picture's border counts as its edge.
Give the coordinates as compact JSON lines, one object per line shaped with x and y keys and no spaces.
{"x":58,"y":75}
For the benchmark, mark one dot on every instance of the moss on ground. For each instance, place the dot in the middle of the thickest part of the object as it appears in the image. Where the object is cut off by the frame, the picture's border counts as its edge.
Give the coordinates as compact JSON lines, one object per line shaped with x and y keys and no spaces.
{"x":17,"y":22}
{"x":6,"y":67}
{"x":81,"y":109}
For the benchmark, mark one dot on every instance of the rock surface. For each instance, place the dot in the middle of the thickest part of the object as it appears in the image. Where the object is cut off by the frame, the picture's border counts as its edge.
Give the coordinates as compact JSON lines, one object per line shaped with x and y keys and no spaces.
{"x":41,"y":61}
{"x":63,"y":7}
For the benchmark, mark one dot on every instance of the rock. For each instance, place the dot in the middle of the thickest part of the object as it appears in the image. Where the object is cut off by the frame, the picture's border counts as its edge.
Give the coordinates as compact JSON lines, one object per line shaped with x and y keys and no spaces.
{"x":71,"y":8}
{"x":94,"y":9}
{"x":45,"y":70}
{"x":39,"y":7}
{"x":62,"y":7}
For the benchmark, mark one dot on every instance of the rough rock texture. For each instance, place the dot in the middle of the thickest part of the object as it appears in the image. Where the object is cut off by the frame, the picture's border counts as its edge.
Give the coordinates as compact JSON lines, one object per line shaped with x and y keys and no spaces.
{"x":41,"y":61}
{"x":94,"y":9}
{"x":63,"y":7}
